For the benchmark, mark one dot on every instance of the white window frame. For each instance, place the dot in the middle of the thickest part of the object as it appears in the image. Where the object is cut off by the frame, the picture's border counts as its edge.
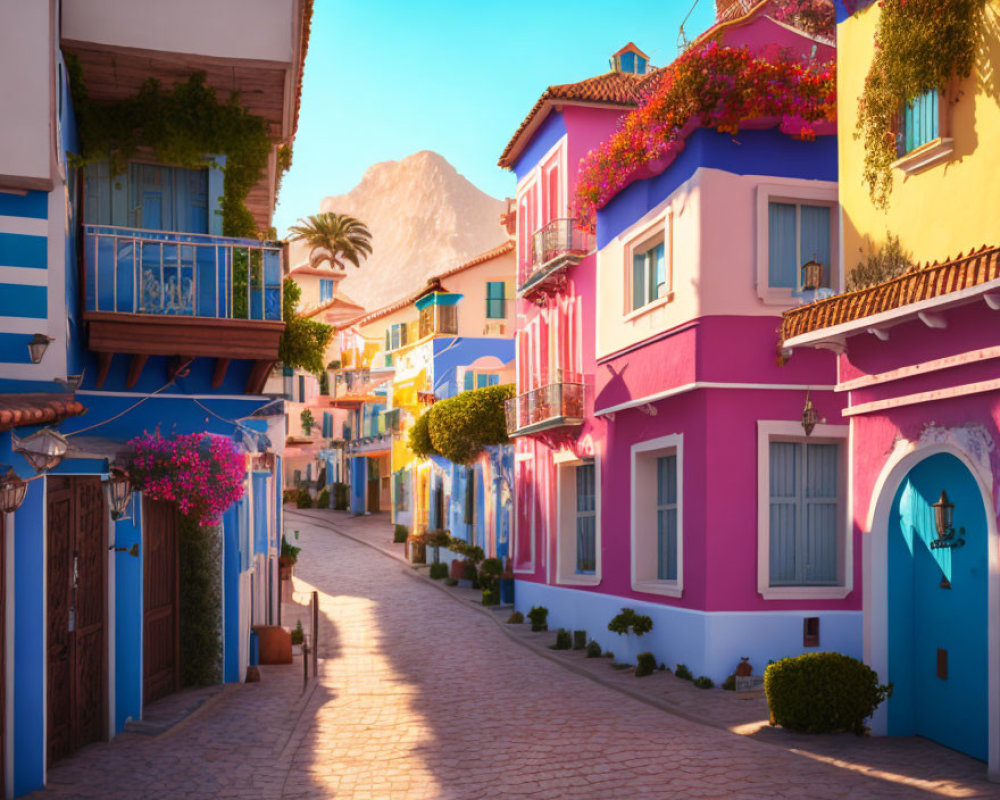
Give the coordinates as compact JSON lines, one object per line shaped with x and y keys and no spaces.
{"x":643,"y":515}
{"x":658,"y":231}
{"x":565,"y":465}
{"x":817,"y":193}
{"x":768,"y":431}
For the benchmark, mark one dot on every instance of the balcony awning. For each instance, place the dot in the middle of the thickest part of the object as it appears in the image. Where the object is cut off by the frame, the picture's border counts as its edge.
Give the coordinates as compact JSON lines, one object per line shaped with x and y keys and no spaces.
{"x":438,"y":299}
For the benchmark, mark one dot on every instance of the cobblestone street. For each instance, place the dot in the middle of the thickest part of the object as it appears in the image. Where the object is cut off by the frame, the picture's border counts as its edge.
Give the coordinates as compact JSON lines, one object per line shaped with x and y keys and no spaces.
{"x":422,"y":697}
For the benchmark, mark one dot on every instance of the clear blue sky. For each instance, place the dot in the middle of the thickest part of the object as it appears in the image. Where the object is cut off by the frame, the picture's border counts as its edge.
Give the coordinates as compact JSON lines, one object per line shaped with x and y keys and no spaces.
{"x":385,"y":78}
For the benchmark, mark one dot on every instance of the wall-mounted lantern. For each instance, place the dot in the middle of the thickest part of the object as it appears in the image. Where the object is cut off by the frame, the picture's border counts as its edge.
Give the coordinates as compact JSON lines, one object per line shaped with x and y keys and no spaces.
{"x":119,"y":491}
{"x":810,"y":416}
{"x":812,"y":275}
{"x":43,"y":450}
{"x":12,"y":492}
{"x":37,"y":346}
{"x":944,"y":512}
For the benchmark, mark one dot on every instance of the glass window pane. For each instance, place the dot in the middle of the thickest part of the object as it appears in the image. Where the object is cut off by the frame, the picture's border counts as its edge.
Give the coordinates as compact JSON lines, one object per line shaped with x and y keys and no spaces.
{"x":666,"y":480}
{"x":821,"y":543}
{"x":821,"y":470}
{"x":666,"y":544}
{"x":782,"y":266}
{"x":586,"y":552}
{"x":815,"y":242}
{"x":585,"y":499}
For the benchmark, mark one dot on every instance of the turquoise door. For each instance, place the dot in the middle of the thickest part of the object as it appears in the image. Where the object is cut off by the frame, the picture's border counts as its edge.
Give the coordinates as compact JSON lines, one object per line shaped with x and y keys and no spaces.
{"x":938,"y":660}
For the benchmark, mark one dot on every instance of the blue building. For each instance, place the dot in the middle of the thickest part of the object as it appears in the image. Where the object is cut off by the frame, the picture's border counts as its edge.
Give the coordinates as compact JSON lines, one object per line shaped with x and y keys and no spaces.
{"x":124,"y":310}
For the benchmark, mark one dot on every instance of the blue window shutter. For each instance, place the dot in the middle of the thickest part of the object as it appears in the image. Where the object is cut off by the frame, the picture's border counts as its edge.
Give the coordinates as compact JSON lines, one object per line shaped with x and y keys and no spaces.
{"x":495,"y":300}
{"x":785,"y":495}
{"x":666,"y":518}
{"x":302,"y":388}
{"x":586,"y":519}
{"x":494,"y":380}
{"x":482,"y":381}
{"x":325,"y":290}
{"x":815,"y":241}
{"x":469,"y":378}
{"x":782,"y":266}
{"x":920,"y":121}
{"x":327,"y":425}
{"x":820,"y":545}
{"x":638,"y":287}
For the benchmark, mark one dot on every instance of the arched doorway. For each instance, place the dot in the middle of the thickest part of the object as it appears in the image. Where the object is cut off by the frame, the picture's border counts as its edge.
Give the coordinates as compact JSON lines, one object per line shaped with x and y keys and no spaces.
{"x":937,"y":649}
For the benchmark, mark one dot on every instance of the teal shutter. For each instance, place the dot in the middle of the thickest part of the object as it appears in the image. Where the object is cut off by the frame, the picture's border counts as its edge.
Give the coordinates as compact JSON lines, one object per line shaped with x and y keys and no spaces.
{"x":495,"y":300}
{"x":638,"y":272}
{"x":782,"y":264}
{"x":482,"y":381}
{"x":327,"y":425}
{"x":920,"y":121}
{"x":494,"y":380}
{"x":469,"y":379}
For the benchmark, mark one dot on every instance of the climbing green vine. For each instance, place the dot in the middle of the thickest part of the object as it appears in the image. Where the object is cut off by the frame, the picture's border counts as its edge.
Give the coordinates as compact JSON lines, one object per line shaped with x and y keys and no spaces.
{"x":918,"y":46}
{"x":182,"y":126}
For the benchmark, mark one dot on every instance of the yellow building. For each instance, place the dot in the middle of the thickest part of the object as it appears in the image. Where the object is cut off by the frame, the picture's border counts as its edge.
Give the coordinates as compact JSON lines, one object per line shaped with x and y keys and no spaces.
{"x":944,"y":178}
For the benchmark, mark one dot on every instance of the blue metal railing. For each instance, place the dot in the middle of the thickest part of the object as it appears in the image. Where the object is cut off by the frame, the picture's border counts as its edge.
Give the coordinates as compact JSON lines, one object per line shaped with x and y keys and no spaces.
{"x":181,"y":274}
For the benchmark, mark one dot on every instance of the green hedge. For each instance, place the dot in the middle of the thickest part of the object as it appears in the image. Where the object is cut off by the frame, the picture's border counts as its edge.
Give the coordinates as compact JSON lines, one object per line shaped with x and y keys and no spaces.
{"x":199,"y":551}
{"x":823,"y":693}
{"x":418,"y":439}
{"x":461,"y":426}
{"x":400,"y":534}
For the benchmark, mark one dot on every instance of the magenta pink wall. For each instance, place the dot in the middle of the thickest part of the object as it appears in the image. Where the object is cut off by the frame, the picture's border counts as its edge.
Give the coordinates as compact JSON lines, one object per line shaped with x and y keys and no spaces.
{"x":970,"y":327}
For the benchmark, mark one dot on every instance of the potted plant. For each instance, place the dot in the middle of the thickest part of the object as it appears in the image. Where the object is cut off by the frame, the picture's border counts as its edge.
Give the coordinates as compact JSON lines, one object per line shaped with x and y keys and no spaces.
{"x":507,"y":583}
{"x":489,"y":579}
{"x":298,"y":637}
{"x":437,"y":539}
{"x":289,"y":555}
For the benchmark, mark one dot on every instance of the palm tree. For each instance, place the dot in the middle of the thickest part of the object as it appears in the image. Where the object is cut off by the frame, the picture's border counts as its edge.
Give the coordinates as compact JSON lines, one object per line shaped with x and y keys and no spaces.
{"x":343,"y":237}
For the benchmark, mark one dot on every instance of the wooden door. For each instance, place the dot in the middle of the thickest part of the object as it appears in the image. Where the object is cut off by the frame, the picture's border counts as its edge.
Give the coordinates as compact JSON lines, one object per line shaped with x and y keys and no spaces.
{"x":77,"y":614}
{"x":161,"y":631}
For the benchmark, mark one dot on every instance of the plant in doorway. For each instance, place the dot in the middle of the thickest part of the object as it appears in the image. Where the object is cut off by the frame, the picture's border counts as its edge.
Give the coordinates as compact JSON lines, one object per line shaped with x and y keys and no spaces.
{"x":199,"y":550}
{"x":298,"y":635}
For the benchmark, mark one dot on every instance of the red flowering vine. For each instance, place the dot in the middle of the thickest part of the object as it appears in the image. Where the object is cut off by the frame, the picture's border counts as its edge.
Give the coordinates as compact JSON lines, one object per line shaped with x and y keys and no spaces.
{"x":201,"y":472}
{"x":815,"y":17}
{"x":714,"y":87}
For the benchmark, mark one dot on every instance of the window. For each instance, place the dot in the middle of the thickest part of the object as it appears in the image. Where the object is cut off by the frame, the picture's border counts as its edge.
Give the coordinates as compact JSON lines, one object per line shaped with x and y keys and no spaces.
{"x":666,"y":518}
{"x":657,"y":511}
{"x":496,"y":305}
{"x":649,"y":275}
{"x":803,"y":523}
{"x":578,"y":529}
{"x":797,"y":233}
{"x":477,"y":380}
{"x":402,"y":481}
{"x":325,"y":290}
{"x":395,"y":337}
{"x":586,"y":520}
{"x":327,"y":425}
{"x":920,"y":123}
{"x":803,"y":540}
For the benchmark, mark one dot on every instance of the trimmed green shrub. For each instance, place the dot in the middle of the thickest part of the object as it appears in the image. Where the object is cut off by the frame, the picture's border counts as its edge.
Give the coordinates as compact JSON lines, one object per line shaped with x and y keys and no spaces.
{"x":491,"y":597}
{"x":516,"y":618}
{"x":341,"y":496}
{"x":729,"y":684}
{"x":418,"y":439}
{"x":564,"y":640}
{"x":298,"y":635}
{"x":289,"y":551}
{"x":639,"y":623}
{"x":461,"y":426}
{"x":400,"y":534}
{"x":437,"y":538}
{"x":683,"y":673}
{"x":304,"y":499}
{"x":593,"y":649}
{"x":323,"y":501}
{"x":289,"y":495}
{"x":439,"y":571}
{"x":704,"y":682}
{"x":823,"y":693}
{"x":539,"y":616}
{"x":645,"y":665}
{"x":469,"y":573}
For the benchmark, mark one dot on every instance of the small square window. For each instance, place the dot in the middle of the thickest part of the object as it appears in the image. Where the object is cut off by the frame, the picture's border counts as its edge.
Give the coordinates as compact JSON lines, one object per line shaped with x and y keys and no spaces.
{"x":919,"y":123}
{"x":649,"y":273}
{"x":797,"y":233}
{"x":325,"y":290}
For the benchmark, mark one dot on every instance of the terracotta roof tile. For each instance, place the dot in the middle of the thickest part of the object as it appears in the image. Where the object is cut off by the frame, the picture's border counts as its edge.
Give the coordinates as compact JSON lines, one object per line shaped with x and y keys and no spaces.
{"x":434,"y":282}
{"x":36,"y":409}
{"x":920,"y":283}
{"x":615,"y":89}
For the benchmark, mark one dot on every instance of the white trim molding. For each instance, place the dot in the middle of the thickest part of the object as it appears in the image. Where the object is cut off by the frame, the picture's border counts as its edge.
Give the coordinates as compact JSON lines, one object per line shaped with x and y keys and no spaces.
{"x":642,"y":539}
{"x":695,"y":385}
{"x":797,"y":192}
{"x":566,"y":554}
{"x":822,"y":434}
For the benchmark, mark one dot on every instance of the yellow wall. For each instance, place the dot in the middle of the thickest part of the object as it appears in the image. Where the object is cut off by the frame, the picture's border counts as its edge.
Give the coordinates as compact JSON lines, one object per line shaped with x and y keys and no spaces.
{"x":949,"y":207}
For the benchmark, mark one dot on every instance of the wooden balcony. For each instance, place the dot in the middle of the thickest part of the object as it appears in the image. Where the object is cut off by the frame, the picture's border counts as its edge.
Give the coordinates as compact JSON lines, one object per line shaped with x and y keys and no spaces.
{"x":554,"y":405}
{"x":558,"y":245}
{"x":184,"y":296}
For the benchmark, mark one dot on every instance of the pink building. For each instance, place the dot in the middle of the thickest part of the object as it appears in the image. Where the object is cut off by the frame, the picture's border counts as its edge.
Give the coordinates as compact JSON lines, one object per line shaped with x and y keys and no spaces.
{"x":689,"y":489}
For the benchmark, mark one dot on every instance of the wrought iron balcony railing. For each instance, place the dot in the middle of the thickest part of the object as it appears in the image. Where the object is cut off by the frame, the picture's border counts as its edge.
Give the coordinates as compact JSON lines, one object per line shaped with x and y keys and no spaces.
{"x":180,"y":274}
{"x":550,"y":406}
{"x":558,"y":244}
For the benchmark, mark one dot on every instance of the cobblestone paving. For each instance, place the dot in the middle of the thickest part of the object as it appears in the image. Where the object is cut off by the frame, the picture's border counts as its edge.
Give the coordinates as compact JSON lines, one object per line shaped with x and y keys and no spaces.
{"x":421,"y":697}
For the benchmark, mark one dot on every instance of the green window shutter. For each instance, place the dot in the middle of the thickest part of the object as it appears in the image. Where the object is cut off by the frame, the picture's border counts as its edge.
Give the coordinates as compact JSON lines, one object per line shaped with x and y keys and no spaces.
{"x":495,"y":300}
{"x":469,"y":380}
